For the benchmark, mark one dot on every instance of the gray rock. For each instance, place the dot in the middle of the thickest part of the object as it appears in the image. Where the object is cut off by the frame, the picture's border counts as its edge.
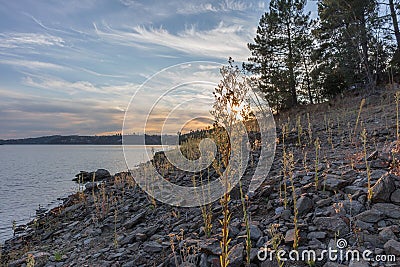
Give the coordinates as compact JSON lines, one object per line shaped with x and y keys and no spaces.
{"x":134,"y":220}
{"x":370,"y":216}
{"x":152,"y":247}
{"x":304,"y":205}
{"x":353,"y":207}
{"x":91,"y":186}
{"x":332,"y":225}
{"x":388,"y":209}
{"x":255,"y":232}
{"x":333,"y":182}
{"x":352,"y":189}
{"x":333,"y":264}
{"x":360,"y":263}
{"x":392,"y":247}
{"x":395,"y":196}
{"x":236,"y":255}
{"x":286,"y":215}
{"x":210,"y":246}
{"x":382,"y":190}
{"x":316,"y":235}
{"x":387,"y":234}
{"x":289,"y":237}
{"x":203,"y":261}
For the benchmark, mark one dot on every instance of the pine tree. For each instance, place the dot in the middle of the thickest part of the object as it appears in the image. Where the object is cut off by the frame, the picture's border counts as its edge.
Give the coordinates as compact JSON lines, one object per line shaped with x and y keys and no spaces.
{"x":345,"y":31}
{"x":278,"y":57}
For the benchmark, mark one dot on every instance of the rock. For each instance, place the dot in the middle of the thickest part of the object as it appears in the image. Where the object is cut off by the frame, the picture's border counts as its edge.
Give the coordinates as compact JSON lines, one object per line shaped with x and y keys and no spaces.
{"x":134,"y":220}
{"x":152,"y":247}
{"x":304,"y":205}
{"x":210,"y":246}
{"x":91,"y":186}
{"x":388,"y":209}
{"x":395,"y":196}
{"x":289,"y":237}
{"x":387,"y":234}
{"x":333,"y":264}
{"x":279,"y":210}
{"x":333,"y":182}
{"x":255,"y":232}
{"x":370,"y":216}
{"x":285,"y":215}
{"x":99,"y":175}
{"x":383,"y":188}
{"x":352,"y":189}
{"x":316,"y":235}
{"x":353,"y":207}
{"x":236,"y":255}
{"x":332,"y":225}
{"x":392,"y":247}
{"x":203,"y":260}
{"x":360,"y":263}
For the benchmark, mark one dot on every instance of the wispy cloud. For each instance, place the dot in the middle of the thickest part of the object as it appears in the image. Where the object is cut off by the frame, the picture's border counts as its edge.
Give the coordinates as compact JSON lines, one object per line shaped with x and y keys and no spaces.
{"x":220,"y":42}
{"x":59,"y":85}
{"x":189,"y":8}
{"x":31,"y":64}
{"x":13,"y":40}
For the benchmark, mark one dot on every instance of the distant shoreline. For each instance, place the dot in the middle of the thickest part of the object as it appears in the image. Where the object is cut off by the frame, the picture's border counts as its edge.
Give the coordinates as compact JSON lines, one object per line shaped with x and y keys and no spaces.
{"x":88,"y":140}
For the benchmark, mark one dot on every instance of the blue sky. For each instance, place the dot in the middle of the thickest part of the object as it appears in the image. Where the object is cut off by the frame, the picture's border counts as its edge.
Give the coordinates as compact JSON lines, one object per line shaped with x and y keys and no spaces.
{"x":70,"y":67}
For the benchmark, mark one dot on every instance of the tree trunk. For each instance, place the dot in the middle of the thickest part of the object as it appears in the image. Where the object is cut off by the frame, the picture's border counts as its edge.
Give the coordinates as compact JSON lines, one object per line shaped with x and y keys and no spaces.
{"x":292,"y":82}
{"x":364,"y":47}
{"x":395,"y":22}
{"x":308,"y":80}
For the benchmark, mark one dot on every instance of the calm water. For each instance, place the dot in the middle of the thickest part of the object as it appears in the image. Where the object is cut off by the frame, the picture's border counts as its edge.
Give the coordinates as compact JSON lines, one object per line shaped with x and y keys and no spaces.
{"x":39,"y":174}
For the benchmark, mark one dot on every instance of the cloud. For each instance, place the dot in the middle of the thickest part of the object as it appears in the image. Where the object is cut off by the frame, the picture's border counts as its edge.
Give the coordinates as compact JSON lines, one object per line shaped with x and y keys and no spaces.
{"x":224,"y":6}
{"x":31,"y":64}
{"x":221,"y":42}
{"x":56,"y":84}
{"x":14,"y":40}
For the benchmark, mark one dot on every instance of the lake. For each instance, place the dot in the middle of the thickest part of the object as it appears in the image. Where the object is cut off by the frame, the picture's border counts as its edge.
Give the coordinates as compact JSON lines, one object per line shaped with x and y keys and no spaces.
{"x":33,"y":175}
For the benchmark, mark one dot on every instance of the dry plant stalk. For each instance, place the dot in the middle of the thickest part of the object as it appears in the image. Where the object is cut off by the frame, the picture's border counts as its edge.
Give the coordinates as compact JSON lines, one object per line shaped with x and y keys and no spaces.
{"x":294,"y":196}
{"x":364,"y":139}
{"x":317,"y":148}
{"x":358,"y":116}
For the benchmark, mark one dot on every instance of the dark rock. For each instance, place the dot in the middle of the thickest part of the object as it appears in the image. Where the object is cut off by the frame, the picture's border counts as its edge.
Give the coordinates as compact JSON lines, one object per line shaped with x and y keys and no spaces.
{"x":255,"y":233}
{"x":392,"y":247}
{"x":388,"y":209}
{"x":210,"y":246}
{"x":353,"y":207}
{"x":387,"y":234}
{"x":236,"y":255}
{"x":382,"y":190}
{"x":134,"y":220}
{"x":304,"y":205}
{"x":99,"y":175}
{"x":395,"y":196}
{"x":152,"y":247}
{"x":370,"y":216}
{"x":333,"y":182}
{"x":332,"y":225}
{"x":316,"y":235}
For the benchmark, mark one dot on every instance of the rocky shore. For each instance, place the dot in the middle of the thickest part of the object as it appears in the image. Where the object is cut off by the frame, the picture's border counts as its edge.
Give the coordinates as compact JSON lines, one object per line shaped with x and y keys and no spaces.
{"x":114,"y":223}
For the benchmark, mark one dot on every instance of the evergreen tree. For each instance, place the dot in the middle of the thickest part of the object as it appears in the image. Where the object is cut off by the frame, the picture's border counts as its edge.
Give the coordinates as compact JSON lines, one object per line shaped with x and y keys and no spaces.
{"x":345,"y":32}
{"x":278,"y":52}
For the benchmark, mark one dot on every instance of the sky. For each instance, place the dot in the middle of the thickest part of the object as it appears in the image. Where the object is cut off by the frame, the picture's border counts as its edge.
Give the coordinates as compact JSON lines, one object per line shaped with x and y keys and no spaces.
{"x":71,"y":67}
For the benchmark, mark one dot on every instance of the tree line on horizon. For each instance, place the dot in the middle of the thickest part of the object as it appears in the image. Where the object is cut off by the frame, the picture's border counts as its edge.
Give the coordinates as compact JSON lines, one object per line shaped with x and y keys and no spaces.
{"x":352,"y":44}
